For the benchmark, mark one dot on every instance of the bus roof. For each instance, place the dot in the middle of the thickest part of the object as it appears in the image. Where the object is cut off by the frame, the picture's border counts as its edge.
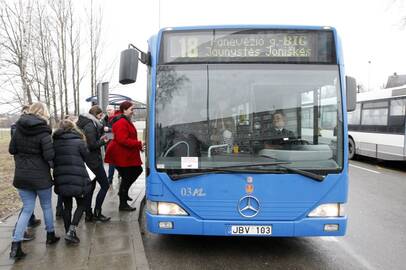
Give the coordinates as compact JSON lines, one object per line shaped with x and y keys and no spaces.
{"x":239,"y":26}
{"x":399,"y":91}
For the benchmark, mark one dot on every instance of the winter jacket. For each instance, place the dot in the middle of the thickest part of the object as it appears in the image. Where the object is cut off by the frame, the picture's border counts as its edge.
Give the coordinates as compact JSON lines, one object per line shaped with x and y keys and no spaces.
{"x":93,"y":130}
{"x":124,"y":149}
{"x":70,"y":174}
{"x":33,"y":153}
{"x":13,"y":128}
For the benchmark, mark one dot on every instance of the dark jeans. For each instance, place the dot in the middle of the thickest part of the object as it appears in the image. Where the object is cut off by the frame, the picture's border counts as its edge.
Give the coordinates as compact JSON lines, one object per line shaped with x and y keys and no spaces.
{"x":128,"y":176}
{"x":67,"y":211}
{"x":101,"y":178}
{"x":111,"y":173}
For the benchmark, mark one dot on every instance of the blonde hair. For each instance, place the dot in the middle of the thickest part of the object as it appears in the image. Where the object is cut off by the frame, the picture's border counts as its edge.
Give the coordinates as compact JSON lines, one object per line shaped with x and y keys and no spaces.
{"x":68,"y":125}
{"x":39,"y":109}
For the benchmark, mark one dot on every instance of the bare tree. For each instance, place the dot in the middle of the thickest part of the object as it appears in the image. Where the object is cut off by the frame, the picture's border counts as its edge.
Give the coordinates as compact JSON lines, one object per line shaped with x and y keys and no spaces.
{"x":74,"y":53}
{"x":42,"y":47}
{"x":15,"y":39}
{"x":95,"y":38}
{"x":40,"y":53}
{"x":78,"y":76}
{"x":60,"y":10}
{"x":52,"y":81}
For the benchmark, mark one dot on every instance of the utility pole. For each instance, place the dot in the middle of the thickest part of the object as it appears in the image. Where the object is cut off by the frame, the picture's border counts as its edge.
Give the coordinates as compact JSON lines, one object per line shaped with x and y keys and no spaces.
{"x":369,"y":74}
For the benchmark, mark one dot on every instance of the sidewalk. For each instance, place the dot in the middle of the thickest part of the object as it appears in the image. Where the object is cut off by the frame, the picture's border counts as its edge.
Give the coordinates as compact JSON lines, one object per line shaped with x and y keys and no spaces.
{"x":113,"y":245}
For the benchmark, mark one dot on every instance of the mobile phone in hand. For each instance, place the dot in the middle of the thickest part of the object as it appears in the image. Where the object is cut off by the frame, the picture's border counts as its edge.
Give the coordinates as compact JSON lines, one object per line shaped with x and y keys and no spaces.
{"x":110,"y":135}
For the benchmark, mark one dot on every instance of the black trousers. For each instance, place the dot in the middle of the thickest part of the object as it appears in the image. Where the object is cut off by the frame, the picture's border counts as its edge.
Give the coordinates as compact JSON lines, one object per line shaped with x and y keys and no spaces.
{"x":101,"y":178}
{"x":67,"y":211}
{"x":128,"y":176}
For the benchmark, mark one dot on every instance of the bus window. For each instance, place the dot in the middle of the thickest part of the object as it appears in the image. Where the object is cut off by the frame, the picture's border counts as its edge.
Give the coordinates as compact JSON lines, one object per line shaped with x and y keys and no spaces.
{"x":354,"y":117}
{"x":397,"y":107}
{"x":375,"y":113}
{"x":396,"y":121}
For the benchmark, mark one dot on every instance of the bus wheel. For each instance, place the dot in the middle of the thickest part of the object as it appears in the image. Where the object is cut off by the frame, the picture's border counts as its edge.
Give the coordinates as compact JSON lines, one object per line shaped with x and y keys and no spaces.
{"x":351,"y":148}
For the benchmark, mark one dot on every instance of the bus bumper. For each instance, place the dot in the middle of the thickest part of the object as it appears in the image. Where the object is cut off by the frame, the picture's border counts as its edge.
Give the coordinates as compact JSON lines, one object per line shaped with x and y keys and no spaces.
{"x":193,"y":226}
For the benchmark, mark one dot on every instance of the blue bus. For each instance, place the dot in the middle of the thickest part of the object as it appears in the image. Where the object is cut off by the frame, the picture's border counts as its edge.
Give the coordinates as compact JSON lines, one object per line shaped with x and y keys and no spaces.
{"x":246,"y":130}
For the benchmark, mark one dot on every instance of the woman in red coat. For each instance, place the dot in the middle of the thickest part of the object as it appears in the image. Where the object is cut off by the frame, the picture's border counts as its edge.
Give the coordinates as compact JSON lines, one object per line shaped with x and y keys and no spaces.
{"x":124,"y":152}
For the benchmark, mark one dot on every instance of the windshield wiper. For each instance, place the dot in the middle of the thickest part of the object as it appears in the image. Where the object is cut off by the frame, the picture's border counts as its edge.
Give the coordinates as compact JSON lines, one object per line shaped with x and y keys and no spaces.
{"x":249,"y":168}
{"x":246,"y":168}
{"x":248,"y":165}
{"x":241,"y":168}
{"x":317,"y":177}
{"x":176,"y":176}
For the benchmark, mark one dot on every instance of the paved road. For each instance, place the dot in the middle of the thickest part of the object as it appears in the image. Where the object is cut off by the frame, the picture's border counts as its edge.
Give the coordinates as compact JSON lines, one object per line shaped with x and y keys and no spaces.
{"x":376,"y":236}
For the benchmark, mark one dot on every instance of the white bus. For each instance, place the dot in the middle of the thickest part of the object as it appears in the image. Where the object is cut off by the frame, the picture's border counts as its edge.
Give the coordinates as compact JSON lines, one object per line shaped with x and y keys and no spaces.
{"x":377,"y":127}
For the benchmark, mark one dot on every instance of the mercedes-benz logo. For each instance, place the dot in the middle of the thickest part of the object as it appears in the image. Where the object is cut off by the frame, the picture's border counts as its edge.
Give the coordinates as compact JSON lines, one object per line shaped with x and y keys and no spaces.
{"x":248,"y":206}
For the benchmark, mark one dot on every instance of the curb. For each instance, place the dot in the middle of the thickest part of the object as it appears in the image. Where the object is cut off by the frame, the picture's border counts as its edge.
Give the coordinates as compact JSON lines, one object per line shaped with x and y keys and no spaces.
{"x":141,"y":261}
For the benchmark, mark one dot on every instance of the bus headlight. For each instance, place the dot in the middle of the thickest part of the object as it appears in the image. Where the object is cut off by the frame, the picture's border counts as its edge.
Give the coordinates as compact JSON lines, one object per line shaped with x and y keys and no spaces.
{"x":328,"y":210}
{"x":165,"y":208}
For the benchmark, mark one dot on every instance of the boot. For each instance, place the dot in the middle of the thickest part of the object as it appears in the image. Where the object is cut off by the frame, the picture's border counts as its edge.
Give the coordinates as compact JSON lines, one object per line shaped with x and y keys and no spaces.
{"x":128,"y":198}
{"x":125,"y":207}
{"x":71,"y":237}
{"x":89,"y":216}
{"x":98,"y":216}
{"x":16,"y":251}
{"x":28,"y":236}
{"x":34,"y":223}
{"x":52,"y":238}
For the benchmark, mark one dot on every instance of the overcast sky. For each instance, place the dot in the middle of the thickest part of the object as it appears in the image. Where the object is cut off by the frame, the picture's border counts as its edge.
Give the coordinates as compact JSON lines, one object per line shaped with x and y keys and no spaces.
{"x":370,"y":29}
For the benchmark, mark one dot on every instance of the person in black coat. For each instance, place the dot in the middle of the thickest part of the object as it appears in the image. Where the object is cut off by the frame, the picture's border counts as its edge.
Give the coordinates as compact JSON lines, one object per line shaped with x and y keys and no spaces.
{"x":33,"y":222}
{"x":93,"y":129}
{"x":70,"y":174}
{"x":33,"y":153}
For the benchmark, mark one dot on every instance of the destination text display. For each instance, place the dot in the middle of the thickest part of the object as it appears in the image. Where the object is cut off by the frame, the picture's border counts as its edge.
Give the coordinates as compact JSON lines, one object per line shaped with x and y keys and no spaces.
{"x":298,"y":46}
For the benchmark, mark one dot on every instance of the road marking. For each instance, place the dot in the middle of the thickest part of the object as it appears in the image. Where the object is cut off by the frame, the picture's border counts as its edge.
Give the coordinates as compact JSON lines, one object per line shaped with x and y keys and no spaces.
{"x":347,"y":248}
{"x":362,"y":168}
{"x":329,"y":238}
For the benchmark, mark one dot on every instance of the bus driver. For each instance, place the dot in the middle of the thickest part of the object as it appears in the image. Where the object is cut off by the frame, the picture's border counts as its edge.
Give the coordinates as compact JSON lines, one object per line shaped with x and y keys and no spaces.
{"x":279,"y":134}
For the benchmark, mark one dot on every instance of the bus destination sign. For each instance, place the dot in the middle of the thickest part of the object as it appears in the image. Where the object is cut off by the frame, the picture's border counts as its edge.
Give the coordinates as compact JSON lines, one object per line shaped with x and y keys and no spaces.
{"x":275,"y":46}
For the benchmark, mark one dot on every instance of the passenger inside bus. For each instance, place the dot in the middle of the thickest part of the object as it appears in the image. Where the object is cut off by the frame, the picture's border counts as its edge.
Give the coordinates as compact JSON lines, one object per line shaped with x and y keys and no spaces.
{"x":223,"y":133}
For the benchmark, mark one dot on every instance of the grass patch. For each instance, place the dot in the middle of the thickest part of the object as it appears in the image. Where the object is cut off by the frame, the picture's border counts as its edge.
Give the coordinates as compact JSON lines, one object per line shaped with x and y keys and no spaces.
{"x":9,"y":199}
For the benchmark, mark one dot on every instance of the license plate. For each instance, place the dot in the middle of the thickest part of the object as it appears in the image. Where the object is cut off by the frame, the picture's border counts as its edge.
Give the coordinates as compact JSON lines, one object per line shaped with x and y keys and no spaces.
{"x":250,"y":230}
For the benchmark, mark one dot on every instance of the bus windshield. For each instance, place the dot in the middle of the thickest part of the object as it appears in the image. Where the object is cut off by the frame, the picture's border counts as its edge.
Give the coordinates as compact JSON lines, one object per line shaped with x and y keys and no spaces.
{"x":219,"y":115}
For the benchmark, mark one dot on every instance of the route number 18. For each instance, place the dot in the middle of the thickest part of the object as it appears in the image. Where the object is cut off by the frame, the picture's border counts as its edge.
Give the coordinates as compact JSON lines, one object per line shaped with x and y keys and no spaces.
{"x":188,"y":47}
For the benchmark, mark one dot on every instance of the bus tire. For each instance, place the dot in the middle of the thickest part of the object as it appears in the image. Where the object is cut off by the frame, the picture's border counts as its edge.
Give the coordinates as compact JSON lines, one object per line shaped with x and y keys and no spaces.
{"x":351,"y":148}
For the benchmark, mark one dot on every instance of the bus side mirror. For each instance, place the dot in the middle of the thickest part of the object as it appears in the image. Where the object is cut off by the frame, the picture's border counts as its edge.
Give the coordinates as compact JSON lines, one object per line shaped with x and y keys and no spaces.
{"x":351,"y":86}
{"x":128,"y":66}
